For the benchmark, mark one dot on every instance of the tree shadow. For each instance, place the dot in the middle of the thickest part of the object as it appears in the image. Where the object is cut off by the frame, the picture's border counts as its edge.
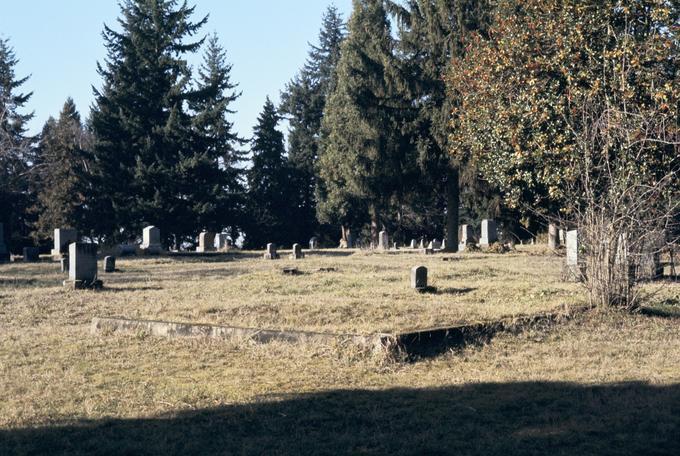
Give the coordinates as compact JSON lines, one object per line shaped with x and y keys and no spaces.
{"x":454,"y":291}
{"x":485,"y":419}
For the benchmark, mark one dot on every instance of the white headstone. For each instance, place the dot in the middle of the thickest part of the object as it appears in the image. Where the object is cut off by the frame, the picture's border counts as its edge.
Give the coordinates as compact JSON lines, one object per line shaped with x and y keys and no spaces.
{"x":552,"y":236}
{"x":313,"y":243}
{"x":297,"y":252}
{"x":466,"y":237}
{"x":414,"y":244}
{"x":206,"y":242}
{"x":151,"y":240}
{"x":62,"y":239}
{"x":271,"y":254}
{"x":489,"y":233}
{"x":383,"y":241}
{"x":82,"y":272}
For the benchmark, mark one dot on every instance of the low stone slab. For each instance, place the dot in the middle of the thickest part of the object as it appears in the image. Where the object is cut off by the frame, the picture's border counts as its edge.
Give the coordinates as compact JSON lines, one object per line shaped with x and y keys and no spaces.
{"x":377,"y":342}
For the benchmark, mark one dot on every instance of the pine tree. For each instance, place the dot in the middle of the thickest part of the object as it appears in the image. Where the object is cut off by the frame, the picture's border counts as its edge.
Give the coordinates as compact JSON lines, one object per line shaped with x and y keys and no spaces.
{"x":364,"y":162}
{"x":63,"y":167}
{"x":431,"y":33}
{"x":268,"y":184}
{"x":144,"y":136}
{"x":16,"y":148}
{"x":215,"y":168}
{"x":303,"y":103}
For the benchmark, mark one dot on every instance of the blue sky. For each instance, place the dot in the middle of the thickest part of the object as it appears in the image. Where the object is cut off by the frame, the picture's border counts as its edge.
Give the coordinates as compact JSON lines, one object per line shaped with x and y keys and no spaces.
{"x":58,"y":43}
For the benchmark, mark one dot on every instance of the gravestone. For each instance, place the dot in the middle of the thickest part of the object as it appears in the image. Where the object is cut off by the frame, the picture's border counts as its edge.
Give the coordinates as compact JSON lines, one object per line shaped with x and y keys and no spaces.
{"x":206,"y":242}
{"x":563,"y":237}
{"x":422,"y":244}
{"x":574,"y":264}
{"x":64,"y":264}
{"x":419,"y":278}
{"x":414,"y":244}
{"x":552,"y":236}
{"x":271,"y":254}
{"x":489,"y":233}
{"x":466,"y":236}
{"x":297,"y":252}
{"x":82,"y":272}
{"x":110,"y":264}
{"x":151,"y":241}
{"x":443,"y":246}
{"x":31,"y":254}
{"x":62,"y":239}
{"x":4,"y":251}
{"x":383,"y":241}
{"x":435,"y":245}
{"x":313,"y":243}
{"x":223,"y":242}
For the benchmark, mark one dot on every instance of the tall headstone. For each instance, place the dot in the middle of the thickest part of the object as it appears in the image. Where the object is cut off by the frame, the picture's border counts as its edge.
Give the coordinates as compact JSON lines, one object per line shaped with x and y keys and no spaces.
{"x":82,"y":272}
{"x":223,"y":242}
{"x":489,"y":233}
{"x":271,"y":254}
{"x":4,"y":251}
{"x":110,"y":264}
{"x":414,"y":244}
{"x":574,"y":263}
{"x":552,"y":236}
{"x":419,"y":278}
{"x":563,"y":237}
{"x":297,"y":252}
{"x":62,"y":239}
{"x":31,"y":254}
{"x":313,"y":243}
{"x":466,"y":237}
{"x":443,"y":246}
{"x":64,"y":264}
{"x":151,"y":240}
{"x":422,"y":244}
{"x":383,"y":241}
{"x":206,"y":242}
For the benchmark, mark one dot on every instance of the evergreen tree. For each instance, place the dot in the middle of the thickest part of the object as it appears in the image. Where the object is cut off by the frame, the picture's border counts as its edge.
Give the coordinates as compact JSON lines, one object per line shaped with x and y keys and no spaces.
{"x":431,"y":33}
{"x":303,"y":103}
{"x":216,"y":165}
{"x":145,"y":143}
{"x":16,"y":148}
{"x":268,"y":184}
{"x":63,"y":166}
{"x":365,"y":163}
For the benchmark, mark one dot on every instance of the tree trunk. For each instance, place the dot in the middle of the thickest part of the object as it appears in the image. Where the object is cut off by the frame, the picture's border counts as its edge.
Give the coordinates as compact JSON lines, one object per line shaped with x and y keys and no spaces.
{"x":452,"y":204}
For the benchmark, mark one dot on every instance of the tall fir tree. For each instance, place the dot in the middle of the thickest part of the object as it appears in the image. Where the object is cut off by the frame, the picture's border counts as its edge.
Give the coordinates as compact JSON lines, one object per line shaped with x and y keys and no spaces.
{"x":62,"y":174}
{"x":216,"y":165}
{"x":269,"y":204}
{"x":365,"y":163}
{"x":431,"y":33}
{"x":145,"y":149}
{"x":302,"y":103}
{"x":16,"y":149}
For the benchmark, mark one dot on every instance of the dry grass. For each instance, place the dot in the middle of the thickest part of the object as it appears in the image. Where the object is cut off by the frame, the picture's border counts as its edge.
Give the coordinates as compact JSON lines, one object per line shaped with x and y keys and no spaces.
{"x":605,"y":383}
{"x":367,"y":293}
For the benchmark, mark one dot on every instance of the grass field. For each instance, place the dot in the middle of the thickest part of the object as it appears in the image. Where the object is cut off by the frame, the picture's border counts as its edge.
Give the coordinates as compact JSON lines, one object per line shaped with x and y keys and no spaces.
{"x":602,"y":383}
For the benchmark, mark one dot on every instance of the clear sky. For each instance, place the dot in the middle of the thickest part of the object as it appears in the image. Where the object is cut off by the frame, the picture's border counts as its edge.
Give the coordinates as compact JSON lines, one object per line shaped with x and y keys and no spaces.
{"x":58,"y":43}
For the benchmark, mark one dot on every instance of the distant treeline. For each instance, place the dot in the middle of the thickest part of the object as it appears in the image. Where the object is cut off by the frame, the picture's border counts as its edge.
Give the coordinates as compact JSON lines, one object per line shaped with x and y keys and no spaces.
{"x":412,"y":117}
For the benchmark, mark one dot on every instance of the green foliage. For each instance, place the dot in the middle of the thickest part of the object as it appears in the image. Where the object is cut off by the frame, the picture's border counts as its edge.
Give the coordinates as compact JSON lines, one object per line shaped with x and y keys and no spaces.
{"x":169,"y":140}
{"x":303,"y":102}
{"x":365,"y":163}
{"x":15,"y":149}
{"x":523,"y":92}
{"x":269,"y":206}
{"x":61,"y":171}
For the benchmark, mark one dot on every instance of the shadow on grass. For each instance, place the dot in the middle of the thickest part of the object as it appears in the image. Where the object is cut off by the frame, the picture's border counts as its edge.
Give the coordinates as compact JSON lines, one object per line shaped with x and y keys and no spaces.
{"x":485,"y":419}
{"x":454,"y":291}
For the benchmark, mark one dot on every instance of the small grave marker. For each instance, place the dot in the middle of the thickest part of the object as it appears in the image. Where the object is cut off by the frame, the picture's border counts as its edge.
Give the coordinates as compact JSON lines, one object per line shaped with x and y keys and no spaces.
{"x":419,"y":278}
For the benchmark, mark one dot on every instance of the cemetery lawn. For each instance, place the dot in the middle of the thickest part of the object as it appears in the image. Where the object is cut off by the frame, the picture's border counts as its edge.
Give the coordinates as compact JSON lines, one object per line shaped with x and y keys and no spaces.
{"x":365,"y":294}
{"x":600,"y":383}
